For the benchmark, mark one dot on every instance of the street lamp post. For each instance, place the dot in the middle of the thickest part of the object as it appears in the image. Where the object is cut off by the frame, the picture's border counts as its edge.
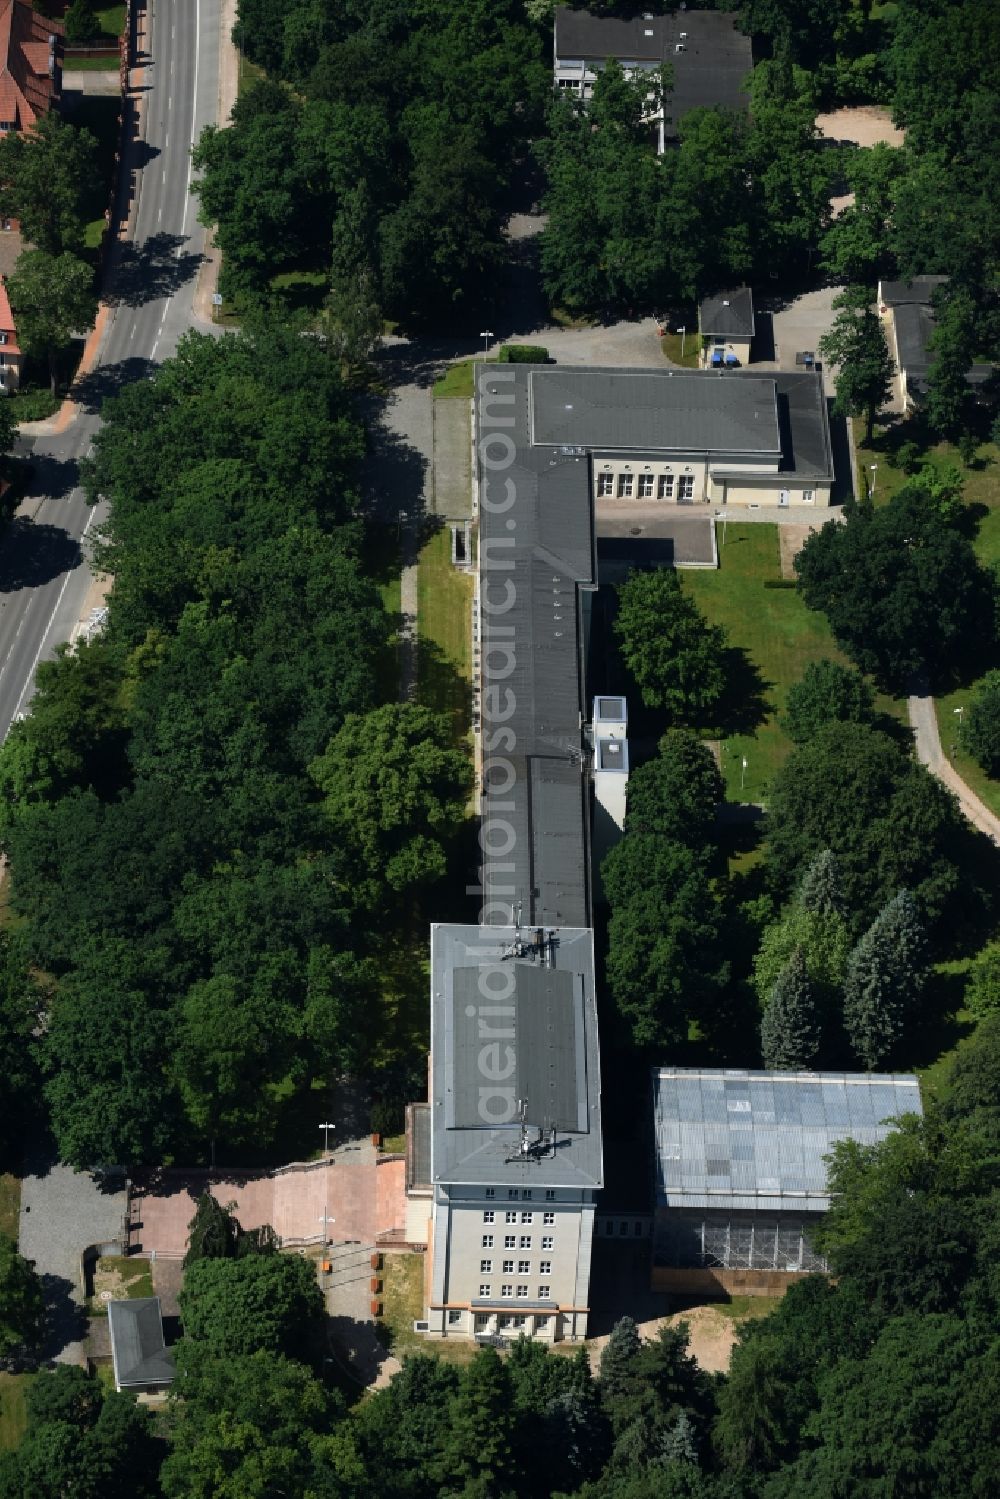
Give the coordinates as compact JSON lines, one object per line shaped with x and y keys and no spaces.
{"x":326,"y":1220}
{"x":487,"y":333}
{"x":326,"y":1128}
{"x":961,"y":715}
{"x":743,"y":773}
{"x":723,"y":515}
{"x":874,"y":469}
{"x":683,"y":334}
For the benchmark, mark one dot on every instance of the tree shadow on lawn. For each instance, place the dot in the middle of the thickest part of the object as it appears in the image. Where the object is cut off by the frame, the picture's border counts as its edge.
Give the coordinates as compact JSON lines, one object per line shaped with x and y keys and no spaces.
{"x":743,"y":706}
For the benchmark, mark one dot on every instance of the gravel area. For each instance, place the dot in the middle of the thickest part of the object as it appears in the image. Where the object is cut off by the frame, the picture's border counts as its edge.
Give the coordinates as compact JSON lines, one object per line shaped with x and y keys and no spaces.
{"x":62,"y":1212}
{"x":864,"y":125}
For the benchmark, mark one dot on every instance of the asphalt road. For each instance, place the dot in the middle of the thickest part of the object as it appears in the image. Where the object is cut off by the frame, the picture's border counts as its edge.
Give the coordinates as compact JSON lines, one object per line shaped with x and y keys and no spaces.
{"x":44,"y":573}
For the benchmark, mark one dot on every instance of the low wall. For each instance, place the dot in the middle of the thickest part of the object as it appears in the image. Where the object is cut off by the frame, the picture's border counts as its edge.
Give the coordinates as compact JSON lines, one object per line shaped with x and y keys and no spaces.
{"x":719,"y":1285}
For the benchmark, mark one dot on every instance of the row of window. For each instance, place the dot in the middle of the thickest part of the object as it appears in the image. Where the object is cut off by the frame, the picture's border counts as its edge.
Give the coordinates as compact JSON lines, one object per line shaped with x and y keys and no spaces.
{"x":505,"y":1322}
{"x":643,"y":485}
{"x":523,"y":1267}
{"x":524,"y":1193}
{"x":507,"y":1292}
{"x":489,"y":1216}
{"x":515,"y":1241}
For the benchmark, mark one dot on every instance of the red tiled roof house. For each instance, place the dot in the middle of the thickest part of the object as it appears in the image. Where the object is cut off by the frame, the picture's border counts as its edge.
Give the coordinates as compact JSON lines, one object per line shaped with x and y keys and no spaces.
{"x":11,"y":357}
{"x":31,"y":52}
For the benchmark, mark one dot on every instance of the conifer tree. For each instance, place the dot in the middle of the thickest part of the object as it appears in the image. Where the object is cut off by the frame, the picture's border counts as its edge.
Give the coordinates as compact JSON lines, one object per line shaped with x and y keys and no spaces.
{"x":820,"y":889}
{"x":886,"y":974}
{"x":790,"y":1029}
{"x":618,"y":1359}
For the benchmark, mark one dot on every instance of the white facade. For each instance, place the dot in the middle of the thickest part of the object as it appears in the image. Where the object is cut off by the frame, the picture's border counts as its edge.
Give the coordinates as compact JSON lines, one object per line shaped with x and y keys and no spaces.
{"x":511,"y":1261}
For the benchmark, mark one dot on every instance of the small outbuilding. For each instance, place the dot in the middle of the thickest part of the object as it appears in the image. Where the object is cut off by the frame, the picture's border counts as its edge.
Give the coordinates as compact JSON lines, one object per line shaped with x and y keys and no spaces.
{"x":740,"y":1161}
{"x":142,"y":1362}
{"x":726,"y":324}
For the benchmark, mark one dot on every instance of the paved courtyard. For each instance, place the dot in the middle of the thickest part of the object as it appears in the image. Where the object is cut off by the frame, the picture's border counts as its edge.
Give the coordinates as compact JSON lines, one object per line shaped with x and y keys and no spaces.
{"x":359,"y":1198}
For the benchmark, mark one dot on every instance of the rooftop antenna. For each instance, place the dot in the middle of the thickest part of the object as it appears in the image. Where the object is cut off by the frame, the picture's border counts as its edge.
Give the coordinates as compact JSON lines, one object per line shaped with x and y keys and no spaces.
{"x":516,"y":948}
{"x":528,"y":1149}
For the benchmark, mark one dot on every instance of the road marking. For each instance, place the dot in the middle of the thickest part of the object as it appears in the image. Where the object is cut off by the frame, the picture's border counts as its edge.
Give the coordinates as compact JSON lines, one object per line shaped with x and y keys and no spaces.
{"x":156,"y":345}
{"x":55,"y":611}
{"x":194,"y":113}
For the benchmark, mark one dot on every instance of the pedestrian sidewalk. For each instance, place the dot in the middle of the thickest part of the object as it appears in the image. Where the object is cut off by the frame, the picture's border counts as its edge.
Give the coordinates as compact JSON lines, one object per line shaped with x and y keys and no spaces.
{"x":923,"y":722}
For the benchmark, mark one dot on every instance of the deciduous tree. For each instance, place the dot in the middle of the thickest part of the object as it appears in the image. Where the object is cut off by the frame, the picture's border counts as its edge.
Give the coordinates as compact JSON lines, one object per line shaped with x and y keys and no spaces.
{"x":980,"y":729}
{"x":675,"y":655}
{"x":827,"y":692}
{"x":53,"y":300}
{"x":47,"y":180}
{"x":856,"y":344}
{"x":22,"y":1303}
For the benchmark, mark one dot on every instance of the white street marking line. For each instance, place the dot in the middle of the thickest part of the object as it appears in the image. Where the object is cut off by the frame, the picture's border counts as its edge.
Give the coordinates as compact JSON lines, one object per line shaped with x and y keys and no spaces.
{"x":152,"y":352}
{"x":52,"y":616}
{"x":194,"y":111}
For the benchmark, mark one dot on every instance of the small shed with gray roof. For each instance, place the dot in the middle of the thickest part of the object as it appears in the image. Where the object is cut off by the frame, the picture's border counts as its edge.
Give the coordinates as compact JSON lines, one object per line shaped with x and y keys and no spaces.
{"x":740,"y":1162}
{"x":726,"y":325}
{"x":139,"y":1354}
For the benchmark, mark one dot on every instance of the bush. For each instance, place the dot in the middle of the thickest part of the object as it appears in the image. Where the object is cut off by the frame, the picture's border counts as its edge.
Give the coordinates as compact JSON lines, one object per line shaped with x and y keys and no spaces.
{"x":32,"y":405}
{"x":908,"y":457}
{"x":980,"y":733}
{"x":982,"y":992}
{"x":523,"y":354}
{"x":82,"y":25}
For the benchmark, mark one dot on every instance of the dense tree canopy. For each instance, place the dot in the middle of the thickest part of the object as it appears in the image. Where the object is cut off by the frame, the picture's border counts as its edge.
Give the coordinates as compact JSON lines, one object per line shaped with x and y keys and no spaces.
{"x":675,"y":655}
{"x":901,"y":587}
{"x":890,"y":824}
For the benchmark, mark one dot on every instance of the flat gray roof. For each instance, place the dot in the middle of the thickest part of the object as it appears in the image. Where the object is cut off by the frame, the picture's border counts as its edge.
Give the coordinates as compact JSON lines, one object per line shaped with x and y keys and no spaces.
{"x":138,"y":1352}
{"x":511,"y":1026}
{"x":537,"y":557}
{"x":709,"y":73}
{"x":733,"y":1139}
{"x":729,"y":314}
{"x":917,"y":291}
{"x":655,"y":411}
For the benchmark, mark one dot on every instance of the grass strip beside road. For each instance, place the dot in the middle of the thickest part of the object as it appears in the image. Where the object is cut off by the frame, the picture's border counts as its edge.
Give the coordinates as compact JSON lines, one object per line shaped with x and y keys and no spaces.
{"x":444,"y":658}
{"x":10,"y":1204}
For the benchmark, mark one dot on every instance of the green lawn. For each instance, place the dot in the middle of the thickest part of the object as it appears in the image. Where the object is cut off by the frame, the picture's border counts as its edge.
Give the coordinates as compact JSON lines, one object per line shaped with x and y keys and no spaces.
{"x":13,"y":1416}
{"x":456,"y":382}
{"x":777,"y":632}
{"x":10,"y":1204}
{"x":444,"y":626}
{"x":127,"y":1279}
{"x":112,"y":19}
{"x":981,"y":483}
{"x":301,"y":290}
{"x":403,"y":1304}
{"x":250,"y":74}
{"x":671,"y":343}
{"x":91,"y":64}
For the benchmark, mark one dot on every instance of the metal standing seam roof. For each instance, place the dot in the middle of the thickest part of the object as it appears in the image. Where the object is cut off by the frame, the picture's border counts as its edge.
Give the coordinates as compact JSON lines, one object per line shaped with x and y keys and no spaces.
{"x":729,"y":314}
{"x":733,"y":1139}
{"x":550,"y":1061}
{"x":138,"y":1352}
{"x":664,"y":411}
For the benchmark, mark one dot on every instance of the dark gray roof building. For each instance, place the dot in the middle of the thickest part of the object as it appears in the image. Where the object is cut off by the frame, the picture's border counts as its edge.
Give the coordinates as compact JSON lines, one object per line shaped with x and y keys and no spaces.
{"x":536,"y":1044}
{"x":729,"y":314}
{"x":140,"y":1357}
{"x":710,"y":57}
{"x":918,"y":291}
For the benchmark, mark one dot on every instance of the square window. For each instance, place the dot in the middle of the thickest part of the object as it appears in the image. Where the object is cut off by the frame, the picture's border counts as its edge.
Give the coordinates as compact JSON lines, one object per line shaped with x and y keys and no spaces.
{"x":488,"y":1215}
{"x":624,"y":486}
{"x":524,"y":1267}
{"x":525,"y":1241}
{"x":519,"y":1321}
{"x":487,"y":1241}
{"x":685,"y":487}
{"x":547,"y":1241}
{"x":512,"y":1192}
{"x":545,"y":1268}
{"x":506,"y":1292}
{"x":645,"y":486}
{"x":541,"y":1323}
{"x":510,"y":1217}
{"x":523,"y":1291}
{"x":508,"y":1267}
{"x":526,"y":1217}
{"x":453,"y":1318}
{"x":486,"y":1267}
{"x":510,"y":1241}
{"x":548,"y":1217}
{"x":484,"y":1293}
{"x":623,"y":1227}
{"x":665,"y":487}
{"x":550,"y":1195}
{"x":490,"y":1192}
{"x":543,"y":1293}
{"x":481,"y":1321}
{"x":808,"y":496}
{"x":506,"y":1321}
{"x":526,"y":1195}
{"x":605,"y":486}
